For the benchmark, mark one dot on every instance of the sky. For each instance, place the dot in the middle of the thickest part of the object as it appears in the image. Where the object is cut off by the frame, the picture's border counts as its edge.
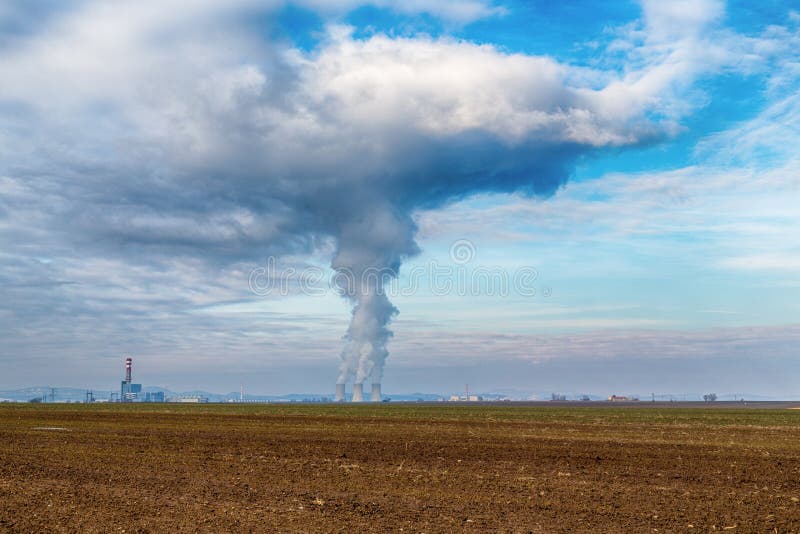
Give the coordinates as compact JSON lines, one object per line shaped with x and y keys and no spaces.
{"x":583,"y":198}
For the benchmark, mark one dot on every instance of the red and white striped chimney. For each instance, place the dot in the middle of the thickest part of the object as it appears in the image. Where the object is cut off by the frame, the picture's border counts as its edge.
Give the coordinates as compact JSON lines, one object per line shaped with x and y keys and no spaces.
{"x":128,"y":364}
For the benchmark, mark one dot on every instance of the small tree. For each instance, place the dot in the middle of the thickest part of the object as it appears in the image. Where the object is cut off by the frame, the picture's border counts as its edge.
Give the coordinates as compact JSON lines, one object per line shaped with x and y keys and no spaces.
{"x":711,"y":397}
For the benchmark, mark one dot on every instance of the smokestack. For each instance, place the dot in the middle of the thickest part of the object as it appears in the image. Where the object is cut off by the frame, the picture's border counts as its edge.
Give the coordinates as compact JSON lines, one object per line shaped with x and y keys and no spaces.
{"x":358,"y":392}
{"x":339,"y":393}
{"x":376,"y":393}
{"x":128,"y":364}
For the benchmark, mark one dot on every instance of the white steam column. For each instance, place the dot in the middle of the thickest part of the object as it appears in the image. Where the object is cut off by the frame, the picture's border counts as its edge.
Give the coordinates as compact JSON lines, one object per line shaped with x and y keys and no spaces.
{"x":376,"y":393}
{"x":358,"y":392}
{"x":339,"y":393}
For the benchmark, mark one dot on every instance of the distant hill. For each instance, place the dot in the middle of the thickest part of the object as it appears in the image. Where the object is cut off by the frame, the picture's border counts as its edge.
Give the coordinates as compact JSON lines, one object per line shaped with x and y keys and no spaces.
{"x":61,"y":394}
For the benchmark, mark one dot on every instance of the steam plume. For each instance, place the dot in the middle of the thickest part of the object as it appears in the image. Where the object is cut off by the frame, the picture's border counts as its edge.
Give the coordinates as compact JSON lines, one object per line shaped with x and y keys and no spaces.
{"x":370,"y":249}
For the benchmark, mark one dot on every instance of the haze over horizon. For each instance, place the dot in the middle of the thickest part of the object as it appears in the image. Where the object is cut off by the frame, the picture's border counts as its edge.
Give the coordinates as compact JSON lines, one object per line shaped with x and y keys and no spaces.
{"x":599,"y":198}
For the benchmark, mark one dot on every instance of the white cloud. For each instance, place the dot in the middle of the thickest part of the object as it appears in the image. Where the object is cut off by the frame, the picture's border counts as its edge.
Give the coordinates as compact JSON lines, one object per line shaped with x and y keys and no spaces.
{"x":707,"y":216}
{"x":764,"y":141}
{"x":166,"y":67}
{"x":458,"y":11}
{"x":763,"y":262}
{"x":678,"y":42}
{"x":676,"y":19}
{"x":640,"y":345}
{"x":447,"y":87}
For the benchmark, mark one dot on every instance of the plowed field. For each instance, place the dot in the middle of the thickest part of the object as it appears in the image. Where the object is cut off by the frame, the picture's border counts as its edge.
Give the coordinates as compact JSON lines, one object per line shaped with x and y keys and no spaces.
{"x":443,"y":468}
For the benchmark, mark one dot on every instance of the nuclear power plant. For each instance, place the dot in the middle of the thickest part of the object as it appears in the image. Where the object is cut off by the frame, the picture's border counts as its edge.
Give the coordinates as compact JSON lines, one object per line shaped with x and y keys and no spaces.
{"x":130,"y":392}
{"x":358,"y":393}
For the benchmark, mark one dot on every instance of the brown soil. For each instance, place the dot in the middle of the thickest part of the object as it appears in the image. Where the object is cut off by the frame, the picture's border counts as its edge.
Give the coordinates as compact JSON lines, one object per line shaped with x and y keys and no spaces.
{"x":272,"y":469}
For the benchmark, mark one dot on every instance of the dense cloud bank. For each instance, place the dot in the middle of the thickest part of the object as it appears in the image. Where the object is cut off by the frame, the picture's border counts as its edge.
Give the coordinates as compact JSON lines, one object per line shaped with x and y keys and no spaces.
{"x":155,"y":133}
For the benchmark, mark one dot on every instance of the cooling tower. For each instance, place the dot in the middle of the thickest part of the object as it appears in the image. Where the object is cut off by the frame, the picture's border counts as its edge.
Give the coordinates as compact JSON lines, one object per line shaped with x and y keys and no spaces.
{"x":358,"y":392}
{"x":339,"y":393}
{"x":376,"y":393}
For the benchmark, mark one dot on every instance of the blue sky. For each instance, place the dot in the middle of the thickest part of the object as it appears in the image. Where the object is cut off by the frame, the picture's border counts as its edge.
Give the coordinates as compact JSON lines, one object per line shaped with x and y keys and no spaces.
{"x":639,"y":157}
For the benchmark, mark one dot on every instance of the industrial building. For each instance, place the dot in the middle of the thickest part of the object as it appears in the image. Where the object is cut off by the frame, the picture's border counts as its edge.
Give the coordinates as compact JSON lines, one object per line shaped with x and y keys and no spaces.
{"x":129,"y":392}
{"x":154,"y":396}
{"x":194,"y":399}
{"x":465,"y":398}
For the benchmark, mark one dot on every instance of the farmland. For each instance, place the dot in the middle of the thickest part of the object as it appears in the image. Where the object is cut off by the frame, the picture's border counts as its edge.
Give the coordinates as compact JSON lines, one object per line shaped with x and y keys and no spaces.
{"x":433,"y":468}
